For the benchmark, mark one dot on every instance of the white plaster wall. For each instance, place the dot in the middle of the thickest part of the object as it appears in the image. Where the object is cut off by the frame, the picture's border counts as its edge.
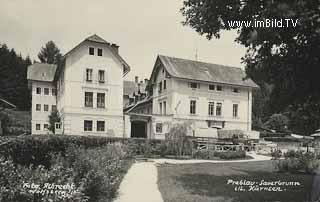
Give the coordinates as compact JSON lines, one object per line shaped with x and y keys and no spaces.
{"x":74,"y":125}
{"x":75,"y":87}
{"x":178,"y":96}
{"x":41,"y":117}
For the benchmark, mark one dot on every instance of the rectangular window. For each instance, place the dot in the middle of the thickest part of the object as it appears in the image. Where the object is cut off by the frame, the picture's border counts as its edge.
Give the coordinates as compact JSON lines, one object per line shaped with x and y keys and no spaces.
{"x":212,"y":87}
{"x":164,"y":108}
{"x":88,"y":99}
{"x":160,"y":87}
{"x":87,"y":125}
{"x":236,"y":90}
{"x":89,"y":75}
{"x":194,"y":85}
{"x":100,"y":126}
{"x":219,"y":88}
{"x":46,"y":91}
{"x":38,"y":91}
{"x":45,"y":108}
{"x":54,"y":91}
{"x":211,"y":109}
{"x":192,"y":107}
{"x":91,"y":51}
{"x":219,"y":109}
{"x":46,"y":126}
{"x":38,"y":126}
{"x":38,"y":107}
{"x":100,"y":100}
{"x":160,"y":107}
{"x":164,"y":84}
{"x":99,"y":52}
{"x":101,"y":76}
{"x":54,"y":108}
{"x":235,"y":110}
{"x":159,"y":127}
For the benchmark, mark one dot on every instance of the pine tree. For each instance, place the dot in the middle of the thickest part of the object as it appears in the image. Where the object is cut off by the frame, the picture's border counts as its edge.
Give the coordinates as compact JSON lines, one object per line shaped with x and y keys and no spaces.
{"x":50,"y":54}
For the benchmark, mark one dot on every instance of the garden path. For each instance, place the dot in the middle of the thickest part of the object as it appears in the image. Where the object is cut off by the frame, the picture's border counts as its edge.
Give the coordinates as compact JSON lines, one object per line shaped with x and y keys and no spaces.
{"x":140,"y":184}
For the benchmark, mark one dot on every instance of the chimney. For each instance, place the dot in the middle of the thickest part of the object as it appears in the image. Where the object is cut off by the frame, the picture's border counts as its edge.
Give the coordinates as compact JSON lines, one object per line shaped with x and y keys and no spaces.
{"x":115,"y":47}
{"x":136,"y":79}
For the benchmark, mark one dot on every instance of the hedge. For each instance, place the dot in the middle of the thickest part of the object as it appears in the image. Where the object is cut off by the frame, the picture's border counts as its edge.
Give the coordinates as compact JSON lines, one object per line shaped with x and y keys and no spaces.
{"x":37,"y":149}
{"x":282,"y":139}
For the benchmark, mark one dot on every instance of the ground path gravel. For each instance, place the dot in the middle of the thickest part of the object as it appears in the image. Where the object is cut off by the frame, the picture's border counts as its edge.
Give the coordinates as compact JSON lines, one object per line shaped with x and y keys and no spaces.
{"x":140,"y":183}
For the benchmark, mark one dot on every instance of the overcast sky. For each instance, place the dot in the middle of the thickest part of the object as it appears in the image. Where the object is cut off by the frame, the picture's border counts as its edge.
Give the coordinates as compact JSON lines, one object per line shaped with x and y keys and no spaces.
{"x":142,"y":28}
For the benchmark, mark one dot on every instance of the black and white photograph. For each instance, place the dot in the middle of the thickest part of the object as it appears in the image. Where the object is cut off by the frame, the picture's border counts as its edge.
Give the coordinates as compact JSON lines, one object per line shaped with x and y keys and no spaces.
{"x":160,"y":101}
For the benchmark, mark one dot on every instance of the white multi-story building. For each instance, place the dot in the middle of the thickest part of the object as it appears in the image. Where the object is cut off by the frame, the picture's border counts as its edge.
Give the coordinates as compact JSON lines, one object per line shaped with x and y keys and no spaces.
{"x":207,"y":95}
{"x":86,"y":89}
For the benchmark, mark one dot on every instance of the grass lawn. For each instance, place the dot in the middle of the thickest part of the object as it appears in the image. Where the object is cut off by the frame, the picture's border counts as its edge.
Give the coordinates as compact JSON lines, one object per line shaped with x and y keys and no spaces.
{"x":208,"y":183}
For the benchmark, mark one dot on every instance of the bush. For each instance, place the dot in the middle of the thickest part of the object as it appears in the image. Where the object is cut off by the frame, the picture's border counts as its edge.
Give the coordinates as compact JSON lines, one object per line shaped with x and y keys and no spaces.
{"x":96,"y":174}
{"x":213,"y":155}
{"x":37,"y":149}
{"x":298,"y":161}
{"x":178,"y":142}
{"x":13,"y":179}
{"x":276,"y":154}
{"x":231,"y":155}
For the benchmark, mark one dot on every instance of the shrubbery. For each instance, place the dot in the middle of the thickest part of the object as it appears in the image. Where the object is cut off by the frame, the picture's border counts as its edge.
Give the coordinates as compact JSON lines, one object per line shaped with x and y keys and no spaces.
{"x":37,"y":149}
{"x":213,"y":155}
{"x":298,"y":161}
{"x":96,"y":174}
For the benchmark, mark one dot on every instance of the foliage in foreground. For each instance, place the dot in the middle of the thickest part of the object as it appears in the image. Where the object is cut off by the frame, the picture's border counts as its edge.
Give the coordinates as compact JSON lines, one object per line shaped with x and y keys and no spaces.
{"x":296,"y":161}
{"x":96,"y":174}
{"x":212,"y":155}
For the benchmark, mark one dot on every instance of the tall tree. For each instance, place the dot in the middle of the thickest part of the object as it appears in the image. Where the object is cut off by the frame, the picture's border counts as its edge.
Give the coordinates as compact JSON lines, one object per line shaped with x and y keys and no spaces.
{"x":13,"y":78}
{"x":50,"y":53}
{"x":286,"y":57}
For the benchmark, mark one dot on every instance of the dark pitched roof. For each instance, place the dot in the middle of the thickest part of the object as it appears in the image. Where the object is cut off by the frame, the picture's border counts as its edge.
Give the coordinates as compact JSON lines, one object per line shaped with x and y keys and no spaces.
{"x":98,"y":39}
{"x":201,"y":71}
{"x":41,"y":72}
{"x":130,"y":87}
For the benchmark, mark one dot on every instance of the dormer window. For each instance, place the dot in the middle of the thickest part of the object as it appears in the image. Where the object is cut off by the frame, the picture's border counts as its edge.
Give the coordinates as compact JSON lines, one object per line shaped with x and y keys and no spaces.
{"x":91,"y":51}
{"x":99,"y":52}
{"x":219,"y":88}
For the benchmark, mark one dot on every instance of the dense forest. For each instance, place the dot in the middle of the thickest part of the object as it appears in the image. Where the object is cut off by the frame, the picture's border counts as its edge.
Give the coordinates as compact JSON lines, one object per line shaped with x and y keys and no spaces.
{"x":13,"y":78}
{"x":13,"y":73}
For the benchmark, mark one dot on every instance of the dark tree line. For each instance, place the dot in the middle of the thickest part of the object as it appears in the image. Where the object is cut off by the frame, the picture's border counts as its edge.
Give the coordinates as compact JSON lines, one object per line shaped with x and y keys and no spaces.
{"x":13,"y":78}
{"x":285,"y":62}
{"x":13,"y":73}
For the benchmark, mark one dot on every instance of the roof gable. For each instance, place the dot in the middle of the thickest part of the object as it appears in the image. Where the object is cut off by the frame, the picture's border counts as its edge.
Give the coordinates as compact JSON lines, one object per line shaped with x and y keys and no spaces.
{"x":201,"y":71}
{"x":41,"y":72}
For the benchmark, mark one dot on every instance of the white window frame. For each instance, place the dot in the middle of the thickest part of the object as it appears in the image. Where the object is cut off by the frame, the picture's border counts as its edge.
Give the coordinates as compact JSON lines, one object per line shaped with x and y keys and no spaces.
{"x":104,"y":126}
{"x":101,"y":103}
{"x":86,"y":128}
{"x":235,"y":110}
{"x":89,"y":73}
{"x":193,"y":107}
{"x":211,"y":110}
